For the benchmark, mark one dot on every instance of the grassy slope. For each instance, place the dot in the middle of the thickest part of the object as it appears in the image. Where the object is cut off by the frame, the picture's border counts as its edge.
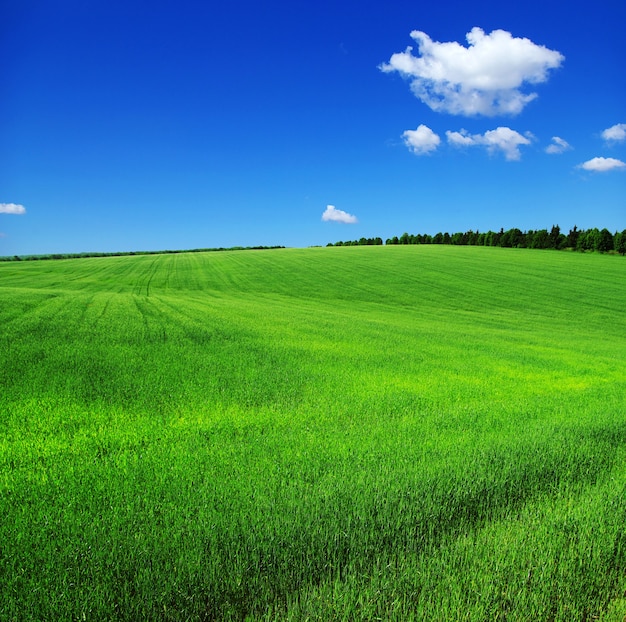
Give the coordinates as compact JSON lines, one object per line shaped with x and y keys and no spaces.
{"x":427,"y":432}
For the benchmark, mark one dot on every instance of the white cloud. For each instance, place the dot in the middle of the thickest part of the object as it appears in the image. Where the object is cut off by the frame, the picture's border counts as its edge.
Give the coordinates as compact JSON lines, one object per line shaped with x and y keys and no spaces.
{"x":482,"y":79}
{"x":616,"y":133}
{"x":337,"y":215}
{"x":502,"y":139}
{"x":601,"y":165}
{"x":462,"y":138}
{"x":558,"y":146}
{"x":12,"y":208}
{"x":506,"y":140}
{"x":421,"y":140}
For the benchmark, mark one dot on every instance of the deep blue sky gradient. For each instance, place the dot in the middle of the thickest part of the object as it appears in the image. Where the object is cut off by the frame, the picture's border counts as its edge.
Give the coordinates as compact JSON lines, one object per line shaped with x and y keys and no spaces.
{"x":134,"y":125}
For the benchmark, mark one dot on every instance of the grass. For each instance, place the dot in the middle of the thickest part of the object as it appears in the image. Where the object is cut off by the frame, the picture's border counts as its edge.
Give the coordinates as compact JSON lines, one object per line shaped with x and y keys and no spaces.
{"x":359,"y":433}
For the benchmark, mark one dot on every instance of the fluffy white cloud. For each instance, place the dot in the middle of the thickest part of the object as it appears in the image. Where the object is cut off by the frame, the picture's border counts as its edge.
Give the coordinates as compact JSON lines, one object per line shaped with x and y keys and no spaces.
{"x":558,"y":146}
{"x":462,"y":138}
{"x":502,"y":139}
{"x":616,"y":133}
{"x":337,"y":215}
{"x":12,"y":208}
{"x":484,"y":78}
{"x":601,"y":165}
{"x":421,"y":140}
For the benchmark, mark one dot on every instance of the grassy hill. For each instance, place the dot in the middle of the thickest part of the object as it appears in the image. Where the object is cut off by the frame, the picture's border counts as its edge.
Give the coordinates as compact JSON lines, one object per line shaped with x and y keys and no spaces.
{"x":394,"y":432}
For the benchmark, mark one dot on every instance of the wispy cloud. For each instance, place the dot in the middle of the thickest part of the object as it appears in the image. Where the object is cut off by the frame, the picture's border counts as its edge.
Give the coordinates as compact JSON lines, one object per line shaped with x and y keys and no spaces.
{"x":333,"y":214}
{"x":602,"y":165}
{"x":422,"y":140}
{"x":558,"y":146}
{"x":615,"y":133}
{"x":502,"y":139}
{"x":484,"y":78}
{"x":12,"y":208}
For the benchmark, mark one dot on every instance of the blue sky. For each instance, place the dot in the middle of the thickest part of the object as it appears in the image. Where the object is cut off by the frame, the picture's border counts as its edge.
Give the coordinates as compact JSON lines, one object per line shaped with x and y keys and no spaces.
{"x":132,"y":125}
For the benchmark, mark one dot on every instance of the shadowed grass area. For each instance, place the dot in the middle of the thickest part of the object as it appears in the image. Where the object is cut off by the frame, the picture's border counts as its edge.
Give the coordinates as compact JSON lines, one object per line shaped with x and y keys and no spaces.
{"x":413,"y":432}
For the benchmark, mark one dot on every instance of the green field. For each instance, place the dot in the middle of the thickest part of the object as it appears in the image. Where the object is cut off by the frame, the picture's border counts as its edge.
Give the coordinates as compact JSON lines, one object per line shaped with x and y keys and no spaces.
{"x":359,"y":433}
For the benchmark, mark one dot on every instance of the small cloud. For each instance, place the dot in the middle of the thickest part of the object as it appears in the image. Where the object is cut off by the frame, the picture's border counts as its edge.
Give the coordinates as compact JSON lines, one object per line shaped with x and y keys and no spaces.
{"x":558,"y":146}
{"x":333,"y":214}
{"x":616,"y":133}
{"x":502,"y":139}
{"x":12,"y":208}
{"x":506,"y":140}
{"x":602,"y":165}
{"x":422,"y":140}
{"x":485,"y":78}
{"x":461,"y":139}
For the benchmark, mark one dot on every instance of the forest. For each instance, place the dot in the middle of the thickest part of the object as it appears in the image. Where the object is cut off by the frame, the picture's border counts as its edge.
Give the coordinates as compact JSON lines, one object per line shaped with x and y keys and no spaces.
{"x":598,"y":240}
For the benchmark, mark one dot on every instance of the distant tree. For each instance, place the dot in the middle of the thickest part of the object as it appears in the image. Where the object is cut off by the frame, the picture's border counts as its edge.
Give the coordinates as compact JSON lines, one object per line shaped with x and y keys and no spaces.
{"x":555,"y":234}
{"x":604,"y":242}
{"x":471,"y":238}
{"x":496,"y":238}
{"x":588,"y":240}
{"x":619,"y":242}
{"x":592,"y":239}
{"x":513,"y":238}
{"x":581,"y":241}
{"x":506,"y":240}
{"x":572,"y":237}
{"x":540,"y":239}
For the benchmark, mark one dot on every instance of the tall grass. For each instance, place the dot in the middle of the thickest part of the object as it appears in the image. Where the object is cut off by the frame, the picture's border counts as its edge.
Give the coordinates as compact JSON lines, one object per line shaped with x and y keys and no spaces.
{"x":398,"y":433}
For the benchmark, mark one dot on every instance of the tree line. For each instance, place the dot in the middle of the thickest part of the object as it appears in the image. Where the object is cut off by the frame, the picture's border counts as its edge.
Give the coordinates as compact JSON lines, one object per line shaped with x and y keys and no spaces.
{"x":127,"y":253}
{"x":598,"y":240}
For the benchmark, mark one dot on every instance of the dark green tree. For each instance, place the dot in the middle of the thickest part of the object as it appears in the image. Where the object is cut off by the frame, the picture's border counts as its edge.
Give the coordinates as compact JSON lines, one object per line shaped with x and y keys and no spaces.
{"x":604,"y":242}
{"x":541,"y":239}
{"x":572,"y":237}
{"x":555,"y":236}
{"x":513,"y":238}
